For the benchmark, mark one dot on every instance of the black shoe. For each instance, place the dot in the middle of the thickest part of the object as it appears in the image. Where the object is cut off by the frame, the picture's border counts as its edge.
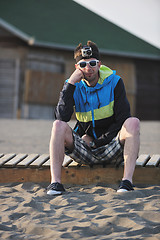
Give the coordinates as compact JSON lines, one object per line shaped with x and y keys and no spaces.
{"x":55,"y":189}
{"x":125,"y":186}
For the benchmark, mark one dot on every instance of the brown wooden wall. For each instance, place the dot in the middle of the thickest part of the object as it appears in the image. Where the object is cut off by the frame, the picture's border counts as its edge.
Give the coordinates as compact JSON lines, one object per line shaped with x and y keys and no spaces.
{"x":125,"y":68}
{"x":42,"y":87}
{"x":148,"y":89}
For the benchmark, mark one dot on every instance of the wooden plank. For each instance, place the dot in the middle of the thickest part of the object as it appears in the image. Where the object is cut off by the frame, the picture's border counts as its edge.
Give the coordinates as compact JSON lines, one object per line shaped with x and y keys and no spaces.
{"x":28,"y":160}
{"x":80,"y":176}
{"x":67,"y":161}
{"x":19,"y":157}
{"x":87,"y":175}
{"x":11,"y":175}
{"x":154,"y":161}
{"x":6,"y":158}
{"x":46,"y":164}
{"x":9,"y":87}
{"x":74,"y":164}
{"x":142,"y":160}
{"x":40,"y":160}
{"x":66,"y":164}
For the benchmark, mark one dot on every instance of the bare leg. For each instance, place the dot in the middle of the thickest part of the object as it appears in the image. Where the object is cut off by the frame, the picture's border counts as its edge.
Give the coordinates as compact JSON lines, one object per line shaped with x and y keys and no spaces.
{"x":61,"y":136}
{"x":129,"y":136}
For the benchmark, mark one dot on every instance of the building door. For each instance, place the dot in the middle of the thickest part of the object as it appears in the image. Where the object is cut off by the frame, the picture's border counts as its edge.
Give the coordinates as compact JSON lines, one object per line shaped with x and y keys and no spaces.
{"x":9,"y":81}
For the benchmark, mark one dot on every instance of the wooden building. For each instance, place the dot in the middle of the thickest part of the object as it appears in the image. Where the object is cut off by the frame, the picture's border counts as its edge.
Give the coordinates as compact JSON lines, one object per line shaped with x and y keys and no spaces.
{"x":37,"y":39}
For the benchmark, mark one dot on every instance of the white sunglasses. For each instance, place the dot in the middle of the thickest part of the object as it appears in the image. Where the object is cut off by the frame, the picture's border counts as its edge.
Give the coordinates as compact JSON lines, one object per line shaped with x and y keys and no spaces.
{"x":92,"y":63}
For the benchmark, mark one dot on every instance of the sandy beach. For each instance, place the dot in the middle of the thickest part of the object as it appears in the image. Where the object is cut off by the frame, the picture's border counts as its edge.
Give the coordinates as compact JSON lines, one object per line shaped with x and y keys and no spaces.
{"x":83,"y":212}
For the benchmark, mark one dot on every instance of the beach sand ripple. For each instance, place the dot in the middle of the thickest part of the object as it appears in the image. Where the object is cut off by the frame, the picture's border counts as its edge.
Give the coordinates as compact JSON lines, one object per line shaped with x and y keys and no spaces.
{"x":83,"y":212}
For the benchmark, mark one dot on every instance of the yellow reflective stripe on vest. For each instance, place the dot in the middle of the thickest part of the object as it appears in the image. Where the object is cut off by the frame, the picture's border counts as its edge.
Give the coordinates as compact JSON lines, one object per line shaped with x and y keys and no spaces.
{"x":101,"y":113}
{"x":104,"y":112}
{"x":84,"y":116}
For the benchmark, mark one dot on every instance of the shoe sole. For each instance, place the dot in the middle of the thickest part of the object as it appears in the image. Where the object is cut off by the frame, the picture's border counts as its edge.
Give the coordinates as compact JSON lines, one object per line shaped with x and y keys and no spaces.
{"x":53,"y":192}
{"x":122,"y":190}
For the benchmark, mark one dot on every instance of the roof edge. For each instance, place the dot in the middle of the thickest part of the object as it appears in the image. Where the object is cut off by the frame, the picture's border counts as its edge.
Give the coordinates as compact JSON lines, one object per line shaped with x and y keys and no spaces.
{"x":102,"y":51}
{"x":130,"y":54}
{"x":33,"y":42}
{"x":54,"y":45}
{"x":29,"y":39}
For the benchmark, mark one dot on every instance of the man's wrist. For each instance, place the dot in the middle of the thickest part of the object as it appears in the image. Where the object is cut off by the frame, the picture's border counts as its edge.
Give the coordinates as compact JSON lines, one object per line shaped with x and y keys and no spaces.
{"x":71,"y":82}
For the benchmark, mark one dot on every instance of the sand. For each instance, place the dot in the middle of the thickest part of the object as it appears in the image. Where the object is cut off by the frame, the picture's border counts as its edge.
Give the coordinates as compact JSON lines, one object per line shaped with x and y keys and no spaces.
{"x":83,"y":212}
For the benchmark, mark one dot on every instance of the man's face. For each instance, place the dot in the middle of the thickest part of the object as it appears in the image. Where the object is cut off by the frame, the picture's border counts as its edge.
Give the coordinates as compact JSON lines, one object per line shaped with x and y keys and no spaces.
{"x":90,"y":68}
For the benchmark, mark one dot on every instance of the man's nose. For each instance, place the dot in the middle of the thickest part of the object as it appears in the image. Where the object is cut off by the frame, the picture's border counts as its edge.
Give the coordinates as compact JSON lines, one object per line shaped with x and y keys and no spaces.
{"x":88,"y":66}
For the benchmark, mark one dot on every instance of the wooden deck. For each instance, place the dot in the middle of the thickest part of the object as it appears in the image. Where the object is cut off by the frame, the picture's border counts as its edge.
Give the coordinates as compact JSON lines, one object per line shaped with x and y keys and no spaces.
{"x":35,"y":168}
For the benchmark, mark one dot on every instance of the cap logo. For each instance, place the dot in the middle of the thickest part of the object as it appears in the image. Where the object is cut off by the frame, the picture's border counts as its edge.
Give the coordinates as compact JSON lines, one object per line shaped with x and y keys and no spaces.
{"x":86,"y":51}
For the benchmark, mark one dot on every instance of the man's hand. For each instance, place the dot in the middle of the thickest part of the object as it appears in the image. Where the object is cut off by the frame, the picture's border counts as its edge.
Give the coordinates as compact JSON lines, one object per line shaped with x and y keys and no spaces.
{"x":87,"y":139}
{"x":76,"y":76}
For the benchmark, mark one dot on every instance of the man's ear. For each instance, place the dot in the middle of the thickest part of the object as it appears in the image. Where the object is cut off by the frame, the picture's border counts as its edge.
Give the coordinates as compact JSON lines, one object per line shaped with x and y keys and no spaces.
{"x":99,"y":64}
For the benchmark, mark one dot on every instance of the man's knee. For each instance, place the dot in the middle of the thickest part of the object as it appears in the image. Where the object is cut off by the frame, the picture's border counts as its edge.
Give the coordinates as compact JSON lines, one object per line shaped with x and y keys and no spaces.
{"x":132,"y":125}
{"x":59,"y":126}
{"x":63,"y":130}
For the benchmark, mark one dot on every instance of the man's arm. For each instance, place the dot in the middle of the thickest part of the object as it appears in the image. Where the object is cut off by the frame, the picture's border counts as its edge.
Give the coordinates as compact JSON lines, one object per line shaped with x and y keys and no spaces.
{"x":121,"y":113}
{"x":64,"y":109}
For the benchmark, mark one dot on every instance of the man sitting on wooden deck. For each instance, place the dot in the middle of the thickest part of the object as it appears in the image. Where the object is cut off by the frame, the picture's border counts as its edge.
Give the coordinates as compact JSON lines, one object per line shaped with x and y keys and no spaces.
{"x":105,"y":132}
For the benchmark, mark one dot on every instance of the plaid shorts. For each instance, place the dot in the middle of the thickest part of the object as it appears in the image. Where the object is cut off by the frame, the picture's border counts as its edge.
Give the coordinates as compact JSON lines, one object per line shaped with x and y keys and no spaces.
{"x":111,"y":153}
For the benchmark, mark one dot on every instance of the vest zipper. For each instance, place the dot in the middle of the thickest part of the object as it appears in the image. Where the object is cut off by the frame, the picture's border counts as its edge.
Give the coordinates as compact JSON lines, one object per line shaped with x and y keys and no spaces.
{"x":93,"y":122}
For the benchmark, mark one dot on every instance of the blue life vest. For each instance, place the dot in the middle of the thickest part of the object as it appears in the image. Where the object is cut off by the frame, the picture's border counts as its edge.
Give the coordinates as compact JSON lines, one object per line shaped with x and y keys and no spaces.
{"x":96,"y":103}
